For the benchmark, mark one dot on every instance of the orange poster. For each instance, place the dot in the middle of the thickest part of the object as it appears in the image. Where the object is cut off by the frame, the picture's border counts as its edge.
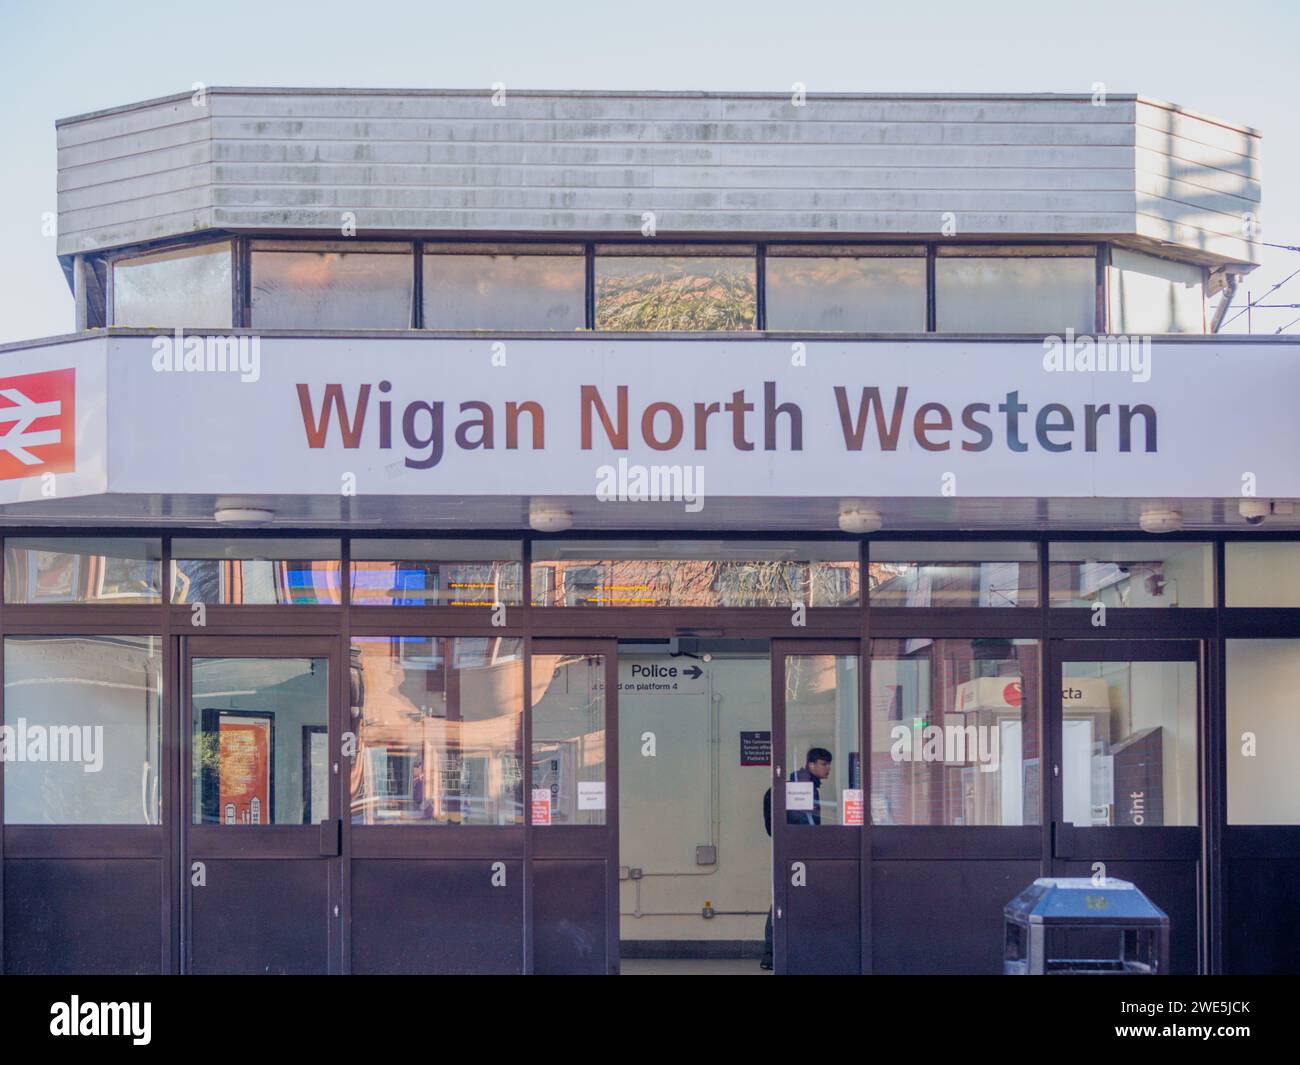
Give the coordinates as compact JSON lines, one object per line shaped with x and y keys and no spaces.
{"x":245,"y":771}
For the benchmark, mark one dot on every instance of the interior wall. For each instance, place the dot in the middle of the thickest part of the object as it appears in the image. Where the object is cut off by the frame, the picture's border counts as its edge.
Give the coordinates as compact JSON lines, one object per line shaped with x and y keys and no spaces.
{"x":1263,"y":786}
{"x":681,"y":786}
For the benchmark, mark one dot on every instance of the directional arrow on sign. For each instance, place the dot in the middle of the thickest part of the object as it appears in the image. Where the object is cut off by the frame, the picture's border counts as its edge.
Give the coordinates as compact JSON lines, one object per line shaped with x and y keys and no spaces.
{"x":694,"y":672}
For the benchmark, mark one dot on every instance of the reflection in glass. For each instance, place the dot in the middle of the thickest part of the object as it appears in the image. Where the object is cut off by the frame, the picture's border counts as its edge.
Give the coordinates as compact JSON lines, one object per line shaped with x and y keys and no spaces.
{"x":436,"y":572}
{"x":332,"y":289}
{"x":246,"y":572}
{"x":502,"y":292}
{"x":1263,"y":715}
{"x":64,"y":570}
{"x":1128,"y":743}
{"x":261,"y":741}
{"x":439,"y":730}
{"x":1131,"y":574}
{"x":187,"y":288}
{"x":684,"y":573}
{"x":955,"y":732}
{"x":845,"y":294}
{"x":824,"y":784}
{"x":1015,"y":295}
{"x":953,"y":575}
{"x":82,"y":725}
{"x":684,"y":293}
{"x":569,"y":738}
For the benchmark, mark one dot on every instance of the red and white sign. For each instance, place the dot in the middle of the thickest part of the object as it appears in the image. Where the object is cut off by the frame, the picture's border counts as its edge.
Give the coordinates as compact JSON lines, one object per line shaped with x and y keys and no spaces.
{"x":38,"y":432}
{"x":852,"y":798}
{"x":541,"y":806}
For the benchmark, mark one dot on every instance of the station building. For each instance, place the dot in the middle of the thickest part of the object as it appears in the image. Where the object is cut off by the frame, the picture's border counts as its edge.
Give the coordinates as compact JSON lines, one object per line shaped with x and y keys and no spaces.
{"x":454,"y":511}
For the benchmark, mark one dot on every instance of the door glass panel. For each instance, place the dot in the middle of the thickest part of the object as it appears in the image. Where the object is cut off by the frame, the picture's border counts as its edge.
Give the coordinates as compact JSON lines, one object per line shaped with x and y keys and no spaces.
{"x":261,"y":751}
{"x":822,"y":755}
{"x":568,"y":739}
{"x":439,"y":729}
{"x":1128,"y":743}
{"x":955,"y":732}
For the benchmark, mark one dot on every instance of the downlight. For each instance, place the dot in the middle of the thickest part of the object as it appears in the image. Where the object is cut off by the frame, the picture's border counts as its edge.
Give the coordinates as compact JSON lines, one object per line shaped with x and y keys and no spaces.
{"x":549,"y":517}
{"x":859,"y":518}
{"x":243,"y":516}
{"x":1161,"y":520}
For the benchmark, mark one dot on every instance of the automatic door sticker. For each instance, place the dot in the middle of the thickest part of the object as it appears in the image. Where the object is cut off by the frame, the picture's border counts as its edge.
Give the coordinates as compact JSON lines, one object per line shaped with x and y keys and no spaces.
{"x":799,"y":795}
{"x":591,"y":795}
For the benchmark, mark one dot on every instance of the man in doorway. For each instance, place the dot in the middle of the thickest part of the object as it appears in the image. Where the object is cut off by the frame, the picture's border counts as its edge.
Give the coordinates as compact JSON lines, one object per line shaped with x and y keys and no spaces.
{"x":816,"y":768}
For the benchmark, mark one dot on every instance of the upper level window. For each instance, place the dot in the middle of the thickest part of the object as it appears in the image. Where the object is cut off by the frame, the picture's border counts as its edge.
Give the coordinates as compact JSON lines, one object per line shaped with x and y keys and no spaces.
{"x":256,"y":571}
{"x":522,"y":287}
{"x":682,"y":288}
{"x":300,"y":285}
{"x":93,"y":570}
{"x":1015,"y":290}
{"x":184,"y":288}
{"x":1150,"y":295}
{"x":846,"y":289}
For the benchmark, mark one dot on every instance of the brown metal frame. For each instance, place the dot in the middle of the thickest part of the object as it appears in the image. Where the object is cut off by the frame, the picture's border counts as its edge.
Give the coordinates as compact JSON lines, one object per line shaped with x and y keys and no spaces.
{"x":842,"y":842}
{"x":336,"y":625}
{"x":314,"y":842}
{"x":580,"y":841}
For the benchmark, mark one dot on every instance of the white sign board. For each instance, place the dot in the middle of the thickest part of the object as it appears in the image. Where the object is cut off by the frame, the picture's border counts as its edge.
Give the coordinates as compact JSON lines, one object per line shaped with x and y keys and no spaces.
{"x":577,"y":416}
{"x":799,"y":795}
{"x":591,"y":795}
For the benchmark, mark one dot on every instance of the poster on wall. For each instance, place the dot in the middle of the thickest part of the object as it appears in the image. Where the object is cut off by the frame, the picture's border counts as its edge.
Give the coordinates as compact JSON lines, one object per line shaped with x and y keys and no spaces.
{"x":244,"y":779}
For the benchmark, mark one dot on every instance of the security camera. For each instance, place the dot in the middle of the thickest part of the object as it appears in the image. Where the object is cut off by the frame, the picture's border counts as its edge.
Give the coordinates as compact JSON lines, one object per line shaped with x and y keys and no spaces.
{"x":1254,"y":511}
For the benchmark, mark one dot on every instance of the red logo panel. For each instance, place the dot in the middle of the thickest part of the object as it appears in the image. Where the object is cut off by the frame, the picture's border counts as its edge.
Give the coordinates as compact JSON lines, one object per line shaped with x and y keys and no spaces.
{"x":38,"y":424}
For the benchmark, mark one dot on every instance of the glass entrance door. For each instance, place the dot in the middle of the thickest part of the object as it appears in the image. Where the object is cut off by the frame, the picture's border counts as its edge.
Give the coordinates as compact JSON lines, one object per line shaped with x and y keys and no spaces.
{"x":263,"y":834}
{"x":573,"y":805}
{"x":1126,"y":781}
{"x":817,"y":806}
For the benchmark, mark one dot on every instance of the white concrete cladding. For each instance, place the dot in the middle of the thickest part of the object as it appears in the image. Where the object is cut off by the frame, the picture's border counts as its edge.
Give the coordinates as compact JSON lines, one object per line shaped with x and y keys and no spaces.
{"x":1136,"y":171}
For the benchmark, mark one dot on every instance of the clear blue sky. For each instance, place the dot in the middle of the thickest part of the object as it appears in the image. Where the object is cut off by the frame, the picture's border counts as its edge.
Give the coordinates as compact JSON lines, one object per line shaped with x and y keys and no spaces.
{"x":1235,"y":61}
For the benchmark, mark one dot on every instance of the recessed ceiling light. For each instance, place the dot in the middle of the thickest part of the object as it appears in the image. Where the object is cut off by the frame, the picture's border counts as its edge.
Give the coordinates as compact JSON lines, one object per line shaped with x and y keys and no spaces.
{"x":549,"y":517}
{"x":243,"y":516}
{"x":857,"y":517}
{"x":1161,"y":520}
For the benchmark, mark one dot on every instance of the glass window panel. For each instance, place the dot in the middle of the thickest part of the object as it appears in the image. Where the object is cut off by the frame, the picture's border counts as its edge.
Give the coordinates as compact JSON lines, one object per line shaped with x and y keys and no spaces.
{"x":65,"y":570}
{"x":436,"y":573}
{"x":955,"y":728}
{"x":187,"y":288}
{"x":525,"y":292}
{"x":683,"y":293}
{"x":1128,"y":743}
{"x":694,"y":573}
{"x":439,"y":730}
{"x":82,"y":726}
{"x":568,"y":739}
{"x":1262,"y":574}
{"x":332,"y":289}
{"x":846,"y":294}
{"x":261,"y":752}
{"x":953,"y":574}
{"x":242,"y":572}
{"x":1166,"y":574}
{"x":1009,"y":295}
{"x":1151,"y":295}
{"x":821,"y":739}
{"x":1263,"y":732}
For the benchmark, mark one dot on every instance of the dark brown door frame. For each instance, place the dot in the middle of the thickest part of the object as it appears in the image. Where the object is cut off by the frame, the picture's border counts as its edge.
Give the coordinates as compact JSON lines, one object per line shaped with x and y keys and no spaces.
{"x":315,"y":842}
{"x":578,"y":841}
{"x":832,"y":842}
{"x":1174,"y":843}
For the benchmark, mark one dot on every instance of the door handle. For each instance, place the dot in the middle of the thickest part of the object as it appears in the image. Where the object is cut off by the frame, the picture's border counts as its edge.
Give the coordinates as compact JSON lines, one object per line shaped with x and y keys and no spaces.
{"x":331,"y":838}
